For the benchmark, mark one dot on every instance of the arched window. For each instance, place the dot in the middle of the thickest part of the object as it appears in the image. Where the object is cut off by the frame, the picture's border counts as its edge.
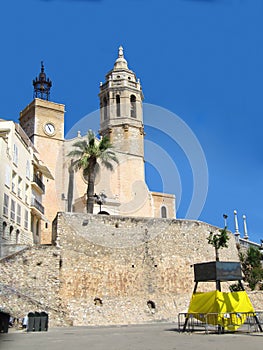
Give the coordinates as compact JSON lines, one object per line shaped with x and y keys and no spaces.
{"x":163,"y":212}
{"x":10,"y":232}
{"x":105,"y":103}
{"x":118,"y":105}
{"x":17,"y":236}
{"x":4,"y":229}
{"x":133,"y":106}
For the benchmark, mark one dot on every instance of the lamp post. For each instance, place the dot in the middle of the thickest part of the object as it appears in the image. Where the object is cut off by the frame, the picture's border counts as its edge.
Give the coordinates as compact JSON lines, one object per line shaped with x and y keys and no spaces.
{"x":100,"y":199}
{"x":225,"y":219}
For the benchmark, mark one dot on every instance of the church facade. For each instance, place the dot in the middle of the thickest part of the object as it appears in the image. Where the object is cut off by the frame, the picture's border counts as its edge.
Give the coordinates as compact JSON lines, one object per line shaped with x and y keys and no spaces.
{"x":122,"y":191}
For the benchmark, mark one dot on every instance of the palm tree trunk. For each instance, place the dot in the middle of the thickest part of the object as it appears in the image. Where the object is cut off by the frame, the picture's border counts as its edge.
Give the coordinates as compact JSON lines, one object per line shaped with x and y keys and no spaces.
{"x":90,"y":188}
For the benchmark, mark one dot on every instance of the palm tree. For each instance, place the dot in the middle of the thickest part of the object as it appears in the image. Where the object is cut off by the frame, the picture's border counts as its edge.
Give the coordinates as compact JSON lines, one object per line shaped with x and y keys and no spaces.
{"x":87,"y":155}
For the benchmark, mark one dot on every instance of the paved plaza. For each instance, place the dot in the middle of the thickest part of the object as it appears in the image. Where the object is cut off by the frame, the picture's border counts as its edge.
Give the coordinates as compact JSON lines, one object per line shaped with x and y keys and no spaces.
{"x":161,"y":336}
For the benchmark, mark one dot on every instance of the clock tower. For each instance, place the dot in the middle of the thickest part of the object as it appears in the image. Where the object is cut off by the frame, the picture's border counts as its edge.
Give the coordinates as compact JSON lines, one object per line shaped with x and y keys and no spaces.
{"x":43,"y":122}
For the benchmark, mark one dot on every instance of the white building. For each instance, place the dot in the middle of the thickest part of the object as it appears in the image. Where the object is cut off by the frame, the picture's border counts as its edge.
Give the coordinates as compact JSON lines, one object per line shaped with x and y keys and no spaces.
{"x":21,"y":188}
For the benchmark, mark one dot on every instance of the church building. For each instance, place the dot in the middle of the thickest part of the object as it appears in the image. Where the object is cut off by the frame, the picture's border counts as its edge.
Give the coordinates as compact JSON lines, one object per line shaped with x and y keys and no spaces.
{"x":122,"y":191}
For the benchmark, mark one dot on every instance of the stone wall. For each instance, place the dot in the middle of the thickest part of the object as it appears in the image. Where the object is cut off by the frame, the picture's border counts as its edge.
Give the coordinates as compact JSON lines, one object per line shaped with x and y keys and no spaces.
{"x":112,"y":270}
{"x":127,"y":263}
{"x":30,"y":282}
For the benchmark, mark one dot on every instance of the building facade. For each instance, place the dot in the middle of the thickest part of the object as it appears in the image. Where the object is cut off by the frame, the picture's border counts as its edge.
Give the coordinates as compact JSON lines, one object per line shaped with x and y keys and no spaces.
{"x":21,"y":186}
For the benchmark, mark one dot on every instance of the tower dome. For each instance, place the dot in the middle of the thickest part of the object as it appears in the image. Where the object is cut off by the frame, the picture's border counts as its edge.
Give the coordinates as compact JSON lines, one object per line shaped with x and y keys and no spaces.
{"x":121,"y":61}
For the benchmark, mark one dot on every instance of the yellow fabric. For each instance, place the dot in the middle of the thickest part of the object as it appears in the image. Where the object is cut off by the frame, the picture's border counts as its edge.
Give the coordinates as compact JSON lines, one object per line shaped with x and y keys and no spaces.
{"x":226,"y":308}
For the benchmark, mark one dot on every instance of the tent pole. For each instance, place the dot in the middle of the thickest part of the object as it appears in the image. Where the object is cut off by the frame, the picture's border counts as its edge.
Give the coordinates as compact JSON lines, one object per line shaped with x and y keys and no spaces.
{"x":187,"y":318}
{"x":195,"y":288}
{"x":218,"y":287}
{"x":255,"y":316}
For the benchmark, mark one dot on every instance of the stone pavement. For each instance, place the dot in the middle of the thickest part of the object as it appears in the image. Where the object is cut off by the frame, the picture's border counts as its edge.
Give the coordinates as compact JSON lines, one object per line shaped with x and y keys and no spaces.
{"x":160,"y":336}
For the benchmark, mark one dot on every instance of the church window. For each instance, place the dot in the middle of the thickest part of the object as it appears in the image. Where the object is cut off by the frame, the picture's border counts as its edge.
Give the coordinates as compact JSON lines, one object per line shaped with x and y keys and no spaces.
{"x":105,"y":108}
{"x":118,"y":105}
{"x":133,"y":106}
{"x":163,"y":212}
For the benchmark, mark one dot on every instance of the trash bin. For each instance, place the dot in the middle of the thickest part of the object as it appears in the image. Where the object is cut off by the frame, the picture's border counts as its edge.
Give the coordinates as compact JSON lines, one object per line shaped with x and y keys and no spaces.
{"x":37,"y":321}
{"x":4,"y":322}
{"x":31,"y":322}
{"x":43,"y":321}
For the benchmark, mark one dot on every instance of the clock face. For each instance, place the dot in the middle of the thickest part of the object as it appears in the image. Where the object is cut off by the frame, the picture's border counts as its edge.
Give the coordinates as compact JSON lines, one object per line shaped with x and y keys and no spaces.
{"x":49,"y":129}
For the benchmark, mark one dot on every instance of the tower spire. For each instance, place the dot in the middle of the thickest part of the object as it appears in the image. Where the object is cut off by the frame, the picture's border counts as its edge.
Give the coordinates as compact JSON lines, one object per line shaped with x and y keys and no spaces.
{"x":121,"y":51}
{"x":42,"y":85}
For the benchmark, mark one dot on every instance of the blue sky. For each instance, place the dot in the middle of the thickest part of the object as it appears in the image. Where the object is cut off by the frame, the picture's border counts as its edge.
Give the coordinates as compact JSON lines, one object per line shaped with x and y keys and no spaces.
{"x":200,"y":59}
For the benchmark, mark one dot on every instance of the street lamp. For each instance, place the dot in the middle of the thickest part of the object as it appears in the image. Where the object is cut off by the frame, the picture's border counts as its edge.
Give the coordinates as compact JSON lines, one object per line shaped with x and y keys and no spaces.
{"x":225,"y":219}
{"x":100,"y":199}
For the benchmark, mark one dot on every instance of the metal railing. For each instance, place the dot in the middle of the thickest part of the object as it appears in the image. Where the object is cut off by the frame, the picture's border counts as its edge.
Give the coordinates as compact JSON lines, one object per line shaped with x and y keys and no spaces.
{"x":221,"y":322}
{"x":39,"y":182}
{"x":35,"y":203}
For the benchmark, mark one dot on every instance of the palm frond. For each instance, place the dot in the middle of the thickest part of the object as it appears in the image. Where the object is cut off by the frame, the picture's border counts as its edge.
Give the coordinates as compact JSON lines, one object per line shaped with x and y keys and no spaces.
{"x":82,"y":144}
{"x":91,"y":137}
{"x":105,"y":143}
{"x":75,"y":153}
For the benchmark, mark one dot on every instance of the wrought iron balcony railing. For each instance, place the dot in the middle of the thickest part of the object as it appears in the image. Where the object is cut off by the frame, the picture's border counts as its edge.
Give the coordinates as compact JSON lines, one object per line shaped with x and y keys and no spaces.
{"x":38,"y":181}
{"x":35,"y":203}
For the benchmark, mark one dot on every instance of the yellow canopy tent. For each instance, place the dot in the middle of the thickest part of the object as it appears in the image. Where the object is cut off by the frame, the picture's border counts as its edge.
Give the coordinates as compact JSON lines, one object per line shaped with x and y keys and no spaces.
{"x":219,"y":308}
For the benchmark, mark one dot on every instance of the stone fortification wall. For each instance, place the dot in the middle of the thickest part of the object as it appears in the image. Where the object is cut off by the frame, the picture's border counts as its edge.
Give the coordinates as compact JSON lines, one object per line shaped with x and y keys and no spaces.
{"x":111,"y":270}
{"x":130,"y":270}
{"x":30,"y":282}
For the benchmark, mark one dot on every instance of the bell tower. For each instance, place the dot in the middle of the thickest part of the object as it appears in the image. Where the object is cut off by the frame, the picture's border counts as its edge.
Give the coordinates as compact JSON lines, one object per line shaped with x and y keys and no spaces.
{"x":121,"y":119}
{"x":121,"y":116}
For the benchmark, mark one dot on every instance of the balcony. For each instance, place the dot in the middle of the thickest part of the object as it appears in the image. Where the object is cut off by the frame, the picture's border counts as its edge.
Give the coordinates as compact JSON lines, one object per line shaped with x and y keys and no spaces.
{"x":36,"y":204}
{"x":39,"y":183}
